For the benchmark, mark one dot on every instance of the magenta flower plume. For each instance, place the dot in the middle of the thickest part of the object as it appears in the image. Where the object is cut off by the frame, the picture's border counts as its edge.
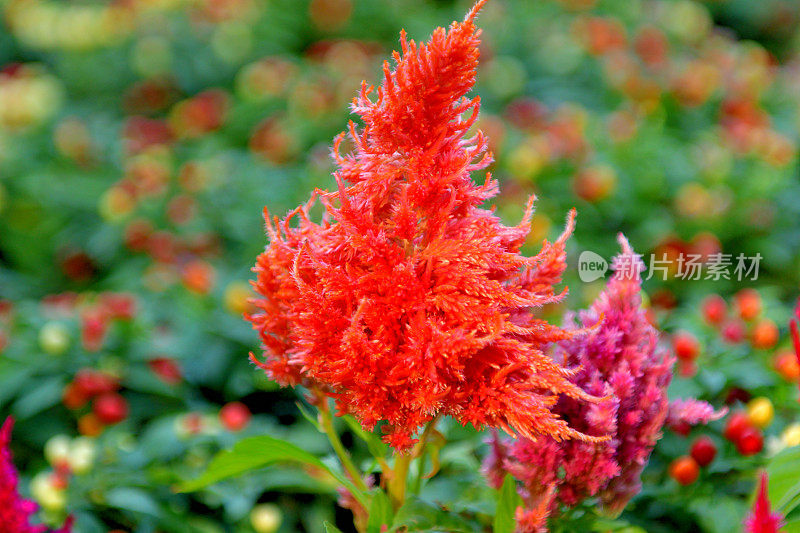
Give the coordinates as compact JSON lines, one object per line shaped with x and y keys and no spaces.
{"x":691,"y":412}
{"x":617,"y":358}
{"x":408,"y":300}
{"x":793,"y":327}
{"x":761,"y":519}
{"x":15,"y":511}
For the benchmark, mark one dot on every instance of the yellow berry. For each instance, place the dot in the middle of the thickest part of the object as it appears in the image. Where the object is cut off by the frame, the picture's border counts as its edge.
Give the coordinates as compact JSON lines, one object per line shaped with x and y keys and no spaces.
{"x":266,"y":518}
{"x":760,"y":411}
{"x":50,"y":497}
{"x":81,"y":455}
{"x":57,"y":449}
{"x":54,"y":338}
{"x":237,"y":295}
{"x":791,"y":435}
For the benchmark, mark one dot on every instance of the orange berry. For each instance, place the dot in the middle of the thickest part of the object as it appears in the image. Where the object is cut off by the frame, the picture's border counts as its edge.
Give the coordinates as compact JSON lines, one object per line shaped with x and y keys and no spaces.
{"x":765,"y":335}
{"x":786,"y":365}
{"x":684,"y":470}
{"x":747,"y":303}
{"x":198,"y":276}
{"x":89,"y":425}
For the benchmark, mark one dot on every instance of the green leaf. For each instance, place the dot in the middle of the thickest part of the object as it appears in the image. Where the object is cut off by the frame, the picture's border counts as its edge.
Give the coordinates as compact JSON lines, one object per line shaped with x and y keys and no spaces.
{"x":380,"y":512}
{"x":257,"y":452}
{"x":42,"y":394}
{"x":507,"y":503}
{"x":132,"y":499}
{"x":720,"y":514}
{"x":605,"y":524}
{"x":784,"y":480}
{"x":418,"y":515}
{"x":308,"y":416}
{"x":330,"y":528}
{"x":793,"y":526}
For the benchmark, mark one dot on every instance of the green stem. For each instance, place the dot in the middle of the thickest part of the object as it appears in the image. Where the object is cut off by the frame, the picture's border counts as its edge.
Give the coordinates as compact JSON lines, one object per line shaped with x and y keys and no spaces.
{"x":396,"y":487}
{"x":417,"y":486}
{"x":326,"y":422}
{"x":419,"y":452}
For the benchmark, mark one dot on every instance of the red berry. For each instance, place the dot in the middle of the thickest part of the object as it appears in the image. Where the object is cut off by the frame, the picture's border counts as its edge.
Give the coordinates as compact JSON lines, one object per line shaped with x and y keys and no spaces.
{"x":94,"y":382}
{"x":73,"y":397}
{"x":737,"y":424}
{"x":110,"y":408}
{"x":166,"y":369}
{"x":687,"y":369}
{"x":737,"y":394}
{"x":234,"y":416}
{"x":684,"y":470}
{"x":703,"y":450}
{"x":681,"y":428}
{"x":714,"y":309}
{"x":686,"y":346}
{"x":750,"y":442}
{"x":733,"y":332}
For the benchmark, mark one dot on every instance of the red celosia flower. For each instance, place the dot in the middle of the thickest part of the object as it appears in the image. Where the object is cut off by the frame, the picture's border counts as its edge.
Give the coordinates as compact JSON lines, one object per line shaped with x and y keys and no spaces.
{"x":793,"y":327}
{"x":761,"y":519}
{"x":15,"y":512}
{"x":408,"y":300}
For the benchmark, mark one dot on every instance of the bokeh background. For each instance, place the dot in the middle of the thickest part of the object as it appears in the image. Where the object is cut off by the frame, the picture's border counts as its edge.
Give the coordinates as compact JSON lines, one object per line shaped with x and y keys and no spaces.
{"x":140,"y":140}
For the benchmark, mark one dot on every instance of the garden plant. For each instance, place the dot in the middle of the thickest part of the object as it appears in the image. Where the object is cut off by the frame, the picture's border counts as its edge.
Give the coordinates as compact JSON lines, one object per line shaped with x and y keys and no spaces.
{"x":422,"y":344}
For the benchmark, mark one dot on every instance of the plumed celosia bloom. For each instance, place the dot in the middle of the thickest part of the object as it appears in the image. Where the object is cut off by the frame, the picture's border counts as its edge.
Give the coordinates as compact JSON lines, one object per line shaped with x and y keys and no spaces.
{"x":690,"y":412}
{"x":409,"y":300}
{"x":618,"y":358}
{"x":794,"y":327}
{"x":761,"y":519}
{"x":15,"y":511}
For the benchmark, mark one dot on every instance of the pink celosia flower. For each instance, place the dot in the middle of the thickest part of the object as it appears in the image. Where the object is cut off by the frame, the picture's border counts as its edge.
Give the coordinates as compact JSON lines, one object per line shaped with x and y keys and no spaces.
{"x":409,"y":300}
{"x":761,"y":519}
{"x":617,"y":358}
{"x":691,"y":412}
{"x":15,"y":511}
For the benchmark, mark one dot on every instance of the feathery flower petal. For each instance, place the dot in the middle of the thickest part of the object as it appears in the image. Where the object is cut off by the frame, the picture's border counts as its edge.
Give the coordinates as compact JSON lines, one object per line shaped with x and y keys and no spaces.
{"x":409,"y":300}
{"x":761,"y":519}
{"x":15,"y":511}
{"x":618,"y":358}
{"x":793,"y":327}
{"x":692,"y":412}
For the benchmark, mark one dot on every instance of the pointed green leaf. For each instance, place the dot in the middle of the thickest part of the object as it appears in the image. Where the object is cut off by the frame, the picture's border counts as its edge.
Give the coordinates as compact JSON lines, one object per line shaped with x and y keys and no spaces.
{"x":507,"y":503}
{"x":257,"y":452}
{"x":330,"y":528}
{"x":784,"y":480}
{"x":380,"y":512}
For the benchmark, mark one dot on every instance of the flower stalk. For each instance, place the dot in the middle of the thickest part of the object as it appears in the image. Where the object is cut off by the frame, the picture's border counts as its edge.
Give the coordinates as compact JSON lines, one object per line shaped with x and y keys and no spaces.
{"x":326,"y":425}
